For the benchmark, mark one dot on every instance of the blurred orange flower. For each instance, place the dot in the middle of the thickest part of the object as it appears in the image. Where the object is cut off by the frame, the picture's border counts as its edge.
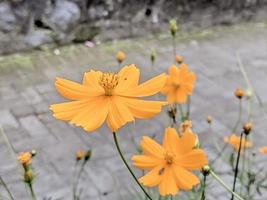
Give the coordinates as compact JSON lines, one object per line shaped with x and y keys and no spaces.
{"x":25,"y":158}
{"x":108,"y":96}
{"x":234,"y":141}
{"x":180,"y":84}
{"x":170,"y":164}
{"x":263,"y":150}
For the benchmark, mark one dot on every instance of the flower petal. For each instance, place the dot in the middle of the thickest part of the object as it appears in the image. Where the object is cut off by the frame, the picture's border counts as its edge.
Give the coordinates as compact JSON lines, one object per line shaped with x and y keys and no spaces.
{"x":128,"y":78}
{"x":147,"y":88}
{"x":168,"y":184}
{"x":193,"y":160}
{"x":170,"y":140}
{"x":75,"y":91}
{"x":151,"y":148}
{"x":186,"y":143}
{"x":152,"y":178}
{"x":143,"y":109}
{"x":146,"y":162}
{"x":91,"y":79}
{"x":118,"y":114}
{"x":94,"y":115}
{"x":68,"y":110}
{"x":184,"y":179}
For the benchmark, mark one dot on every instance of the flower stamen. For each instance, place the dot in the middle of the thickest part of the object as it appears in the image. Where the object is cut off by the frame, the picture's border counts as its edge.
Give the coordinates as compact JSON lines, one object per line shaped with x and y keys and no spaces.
{"x":109,"y":81}
{"x":169,"y":158}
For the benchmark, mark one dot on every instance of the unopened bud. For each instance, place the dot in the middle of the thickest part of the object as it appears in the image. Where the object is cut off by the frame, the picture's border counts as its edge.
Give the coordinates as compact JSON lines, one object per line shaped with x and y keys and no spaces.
{"x":239,"y":93}
{"x":209,"y":119}
{"x":88,"y":155}
{"x":153,"y":55}
{"x":179,"y":59}
{"x":247,"y":128}
{"x":173,"y":27}
{"x":205,"y":170}
{"x":120,"y":56}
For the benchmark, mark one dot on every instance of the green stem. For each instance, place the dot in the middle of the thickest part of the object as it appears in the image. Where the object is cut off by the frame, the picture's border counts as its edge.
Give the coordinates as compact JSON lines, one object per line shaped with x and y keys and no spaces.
{"x":128,"y":167}
{"x":32,"y":192}
{"x":174,"y":48}
{"x":217,"y":178}
{"x":203,"y":197}
{"x":237,"y":163}
{"x":188,"y":108}
{"x":181,"y":112}
{"x":6,"y":188}
{"x":75,"y":185}
{"x":239,"y":116}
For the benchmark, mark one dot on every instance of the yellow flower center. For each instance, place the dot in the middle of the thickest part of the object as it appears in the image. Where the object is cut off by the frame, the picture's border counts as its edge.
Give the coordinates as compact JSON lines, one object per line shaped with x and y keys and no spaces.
{"x":109,"y":81}
{"x":176,"y":86}
{"x":169,"y":157}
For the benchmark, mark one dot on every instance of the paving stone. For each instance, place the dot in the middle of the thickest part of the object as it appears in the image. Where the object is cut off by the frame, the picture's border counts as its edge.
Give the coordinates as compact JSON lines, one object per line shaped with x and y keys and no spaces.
{"x":20,"y":111}
{"x":33,"y":125}
{"x":31,"y":96}
{"x":7,"y":120}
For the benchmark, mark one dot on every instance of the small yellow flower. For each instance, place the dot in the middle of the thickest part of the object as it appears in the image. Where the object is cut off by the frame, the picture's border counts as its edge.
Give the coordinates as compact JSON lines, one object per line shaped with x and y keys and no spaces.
{"x":120,"y":56}
{"x":263,"y":150}
{"x":234,"y":141}
{"x":25,"y":158}
{"x":80,"y":154}
{"x":180,"y":84}
{"x":171,"y":164}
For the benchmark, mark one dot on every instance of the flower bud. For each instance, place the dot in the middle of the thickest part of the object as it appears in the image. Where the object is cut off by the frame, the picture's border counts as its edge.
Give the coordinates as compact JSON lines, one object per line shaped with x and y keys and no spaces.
{"x":153,"y":55}
{"x":205,"y":170}
{"x":179,"y":59}
{"x":209,"y":119}
{"x":88,"y":155}
{"x":173,"y":27}
{"x":239,"y":93}
{"x":33,"y":152}
{"x":247,"y":128}
{"x":120,"y":56}
{"x":80,"y":154}
{"x":249,"y":93}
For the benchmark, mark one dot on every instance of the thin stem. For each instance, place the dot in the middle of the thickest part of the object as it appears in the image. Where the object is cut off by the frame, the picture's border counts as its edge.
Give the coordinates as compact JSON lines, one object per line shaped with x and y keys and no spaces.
{"x":188,"y":108}
{"x":203,"y":197}
{"x":243,"y":165}
{"x":174,"y":47}
{"x":239,"y":116}
{"x":181,"y":112}
{"x":6,"y":188}
{"x":32,"y":192}
{"x":128,"y":167}
{"x":77,"y":180}
{"x":217,"y":178}
{"x":237,"y":163}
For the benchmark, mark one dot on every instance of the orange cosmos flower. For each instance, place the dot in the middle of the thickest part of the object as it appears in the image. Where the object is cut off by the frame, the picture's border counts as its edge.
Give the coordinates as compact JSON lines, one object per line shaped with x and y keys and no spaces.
{"x":234,"y":141}
{"x":263,"y":150}
{"x":108,"y":96}
{"x":180,"y":84}
{"x":170,"y":164}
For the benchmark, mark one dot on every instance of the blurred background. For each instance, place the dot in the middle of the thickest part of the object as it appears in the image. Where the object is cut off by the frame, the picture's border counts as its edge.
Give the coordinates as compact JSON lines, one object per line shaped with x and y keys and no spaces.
{"x":44,"y":39}
{"x":27,"y":24}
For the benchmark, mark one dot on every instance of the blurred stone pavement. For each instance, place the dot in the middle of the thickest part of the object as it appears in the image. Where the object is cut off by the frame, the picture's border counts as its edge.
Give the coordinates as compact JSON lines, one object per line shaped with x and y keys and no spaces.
{"x":27,"y":92}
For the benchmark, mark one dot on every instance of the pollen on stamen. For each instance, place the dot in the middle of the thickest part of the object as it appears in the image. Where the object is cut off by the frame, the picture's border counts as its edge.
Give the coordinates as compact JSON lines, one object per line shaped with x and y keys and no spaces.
{"x":109,"y":81}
